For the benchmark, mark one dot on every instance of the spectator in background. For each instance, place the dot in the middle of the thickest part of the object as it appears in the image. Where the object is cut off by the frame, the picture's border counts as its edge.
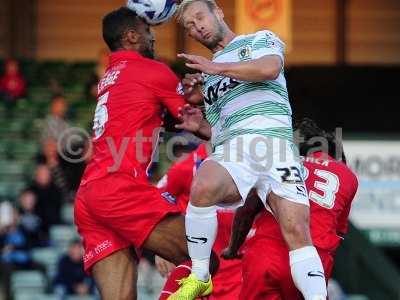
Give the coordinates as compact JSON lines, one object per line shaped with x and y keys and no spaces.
{"x":54,"y":142}
{"x":14,"y":253}
{"x":14,"y":250}
{"x":50,"y":157}
{"x":98,"y":72}
{"x":55,"y":124}
{"x":49,"y":197}
{"x":66,"y":169}
{"x":12,"y":84}
{"x":6,"y":215}
{"x":70,"y":278}
{"x":30,"y":222}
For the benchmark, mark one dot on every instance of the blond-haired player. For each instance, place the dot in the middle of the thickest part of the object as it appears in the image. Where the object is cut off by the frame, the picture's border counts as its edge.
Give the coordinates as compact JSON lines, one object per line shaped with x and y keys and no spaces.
{"x":248,"y":110}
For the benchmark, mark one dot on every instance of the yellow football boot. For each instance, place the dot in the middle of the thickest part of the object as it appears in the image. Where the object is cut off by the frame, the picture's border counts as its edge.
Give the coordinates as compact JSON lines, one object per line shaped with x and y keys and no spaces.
{"x":192,"y":288}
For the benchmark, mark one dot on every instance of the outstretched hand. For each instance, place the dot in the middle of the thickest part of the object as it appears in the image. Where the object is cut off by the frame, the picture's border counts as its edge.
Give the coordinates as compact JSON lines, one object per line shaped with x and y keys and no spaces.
{"x":190,"y":117}
{"x":201,"y":64}
{"x":190,"y":81}
{"x":230,"y":254}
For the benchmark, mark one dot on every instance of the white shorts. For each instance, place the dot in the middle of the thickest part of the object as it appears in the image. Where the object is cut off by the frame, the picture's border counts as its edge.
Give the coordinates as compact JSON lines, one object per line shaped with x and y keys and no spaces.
{"x":266,"y":164}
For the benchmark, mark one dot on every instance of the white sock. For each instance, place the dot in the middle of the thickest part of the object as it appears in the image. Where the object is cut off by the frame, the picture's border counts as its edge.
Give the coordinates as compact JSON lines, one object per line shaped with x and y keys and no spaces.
{"x":308,"y":273}
{"x":201,"y":229}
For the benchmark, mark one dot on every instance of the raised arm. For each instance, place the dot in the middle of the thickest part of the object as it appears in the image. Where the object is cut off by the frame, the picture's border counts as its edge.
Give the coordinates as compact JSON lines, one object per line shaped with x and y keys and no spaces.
{"x":265,"y":68}
{"x":191,"y":88}
{"x":242,"y":223}
{"x":192,"y":120}
{"x":263,"y":60}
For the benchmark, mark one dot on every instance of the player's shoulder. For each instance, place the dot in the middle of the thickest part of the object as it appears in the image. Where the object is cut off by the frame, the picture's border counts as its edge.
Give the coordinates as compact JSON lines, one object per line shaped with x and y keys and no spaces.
{"x":348,"y":174}
{"x":338,"y":168}
{"x":156,"y":67}
{"x":159,"y":74}
{"x":265,"y":34}
{"x":253,"y":37}
{"x":267,"y":39}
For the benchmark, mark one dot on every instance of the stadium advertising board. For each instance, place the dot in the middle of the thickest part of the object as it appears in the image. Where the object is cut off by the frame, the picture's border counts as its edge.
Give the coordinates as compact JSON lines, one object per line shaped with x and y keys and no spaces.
{"x":255,"y":15}
{"x":376,"y":208}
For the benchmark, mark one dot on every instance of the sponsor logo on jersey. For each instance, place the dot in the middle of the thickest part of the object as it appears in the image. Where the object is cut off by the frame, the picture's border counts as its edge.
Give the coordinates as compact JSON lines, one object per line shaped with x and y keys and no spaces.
{"x":220,"y":89}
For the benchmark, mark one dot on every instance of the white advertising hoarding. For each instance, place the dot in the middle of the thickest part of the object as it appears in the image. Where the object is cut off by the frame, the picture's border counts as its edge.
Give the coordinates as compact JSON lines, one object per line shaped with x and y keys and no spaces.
{"x":377,"y":165}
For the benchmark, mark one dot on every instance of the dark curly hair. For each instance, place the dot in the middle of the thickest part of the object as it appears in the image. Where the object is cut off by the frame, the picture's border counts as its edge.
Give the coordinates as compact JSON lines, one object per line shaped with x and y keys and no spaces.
{"x":312,"y":138}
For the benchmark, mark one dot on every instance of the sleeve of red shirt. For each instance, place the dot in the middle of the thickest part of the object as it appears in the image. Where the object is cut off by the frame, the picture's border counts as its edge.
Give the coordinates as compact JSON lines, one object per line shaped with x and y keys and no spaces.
{"x":166,"y":84}
{"x":174,"y":182}
{"x":343,"y":222}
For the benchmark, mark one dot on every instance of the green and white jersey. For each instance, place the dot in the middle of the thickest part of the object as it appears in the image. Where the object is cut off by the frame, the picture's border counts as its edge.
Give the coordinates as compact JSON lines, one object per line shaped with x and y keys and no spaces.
{"x":235,"y":108}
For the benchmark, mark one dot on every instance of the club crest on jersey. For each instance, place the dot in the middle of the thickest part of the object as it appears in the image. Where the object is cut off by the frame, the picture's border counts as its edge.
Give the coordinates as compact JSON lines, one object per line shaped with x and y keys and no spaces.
{"x":245,"y":52}
{"x":167,"y":196}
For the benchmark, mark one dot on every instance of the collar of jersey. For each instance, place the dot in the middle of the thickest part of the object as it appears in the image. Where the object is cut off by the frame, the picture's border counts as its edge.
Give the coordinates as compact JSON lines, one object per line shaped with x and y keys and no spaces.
{"x":220,"y":51}
{"x":321,"y":154}
{"x":124,"y":54}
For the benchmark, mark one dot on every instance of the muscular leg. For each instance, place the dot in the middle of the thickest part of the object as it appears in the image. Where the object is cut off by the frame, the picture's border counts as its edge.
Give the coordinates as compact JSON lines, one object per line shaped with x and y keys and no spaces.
{"x":294,"y":221}
{"x":305,"y":263}
{"x":117,"y":283}
{"x":211,"y":185}
{"x":168,"y":240}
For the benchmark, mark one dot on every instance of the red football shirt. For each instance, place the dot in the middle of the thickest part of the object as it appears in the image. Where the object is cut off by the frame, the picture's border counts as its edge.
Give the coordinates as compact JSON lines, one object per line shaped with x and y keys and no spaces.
{"x":128,"y":117}
{"x":331,"y":188}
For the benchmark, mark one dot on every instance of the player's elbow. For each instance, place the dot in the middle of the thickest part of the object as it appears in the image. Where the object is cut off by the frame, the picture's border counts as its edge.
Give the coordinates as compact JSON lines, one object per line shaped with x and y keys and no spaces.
{"x":273,"y":68}
{"x":273,"y":72}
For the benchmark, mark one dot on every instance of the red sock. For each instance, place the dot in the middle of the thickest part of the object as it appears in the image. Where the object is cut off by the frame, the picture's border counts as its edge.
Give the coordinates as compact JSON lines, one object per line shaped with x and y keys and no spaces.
{"x":180,"y":272}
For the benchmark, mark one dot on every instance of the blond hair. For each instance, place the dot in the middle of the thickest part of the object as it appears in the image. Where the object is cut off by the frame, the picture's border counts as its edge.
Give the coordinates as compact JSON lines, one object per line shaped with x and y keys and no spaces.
{"x":186,"y":3}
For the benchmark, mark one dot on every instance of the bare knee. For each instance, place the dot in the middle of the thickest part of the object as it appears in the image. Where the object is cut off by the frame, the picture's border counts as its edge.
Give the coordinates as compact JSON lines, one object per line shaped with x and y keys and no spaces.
{"x":212,"y":185}
{"x":201,"y":193}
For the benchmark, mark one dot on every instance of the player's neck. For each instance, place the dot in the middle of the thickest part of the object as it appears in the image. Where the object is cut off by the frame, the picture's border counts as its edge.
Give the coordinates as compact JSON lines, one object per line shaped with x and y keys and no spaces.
{"x":229,"y":36}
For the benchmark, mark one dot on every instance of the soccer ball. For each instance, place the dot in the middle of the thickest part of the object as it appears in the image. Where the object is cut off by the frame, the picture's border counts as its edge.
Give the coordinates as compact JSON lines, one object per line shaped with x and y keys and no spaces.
{"x":154,"y":11}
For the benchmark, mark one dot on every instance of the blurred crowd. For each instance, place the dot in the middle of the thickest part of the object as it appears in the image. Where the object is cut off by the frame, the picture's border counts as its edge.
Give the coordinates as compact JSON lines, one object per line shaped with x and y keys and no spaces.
{"x":25,"y":223}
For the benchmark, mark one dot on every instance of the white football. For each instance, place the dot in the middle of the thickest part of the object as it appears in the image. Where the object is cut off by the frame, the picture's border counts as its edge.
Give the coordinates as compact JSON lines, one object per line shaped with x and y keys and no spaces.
{"x":154,"y":11}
